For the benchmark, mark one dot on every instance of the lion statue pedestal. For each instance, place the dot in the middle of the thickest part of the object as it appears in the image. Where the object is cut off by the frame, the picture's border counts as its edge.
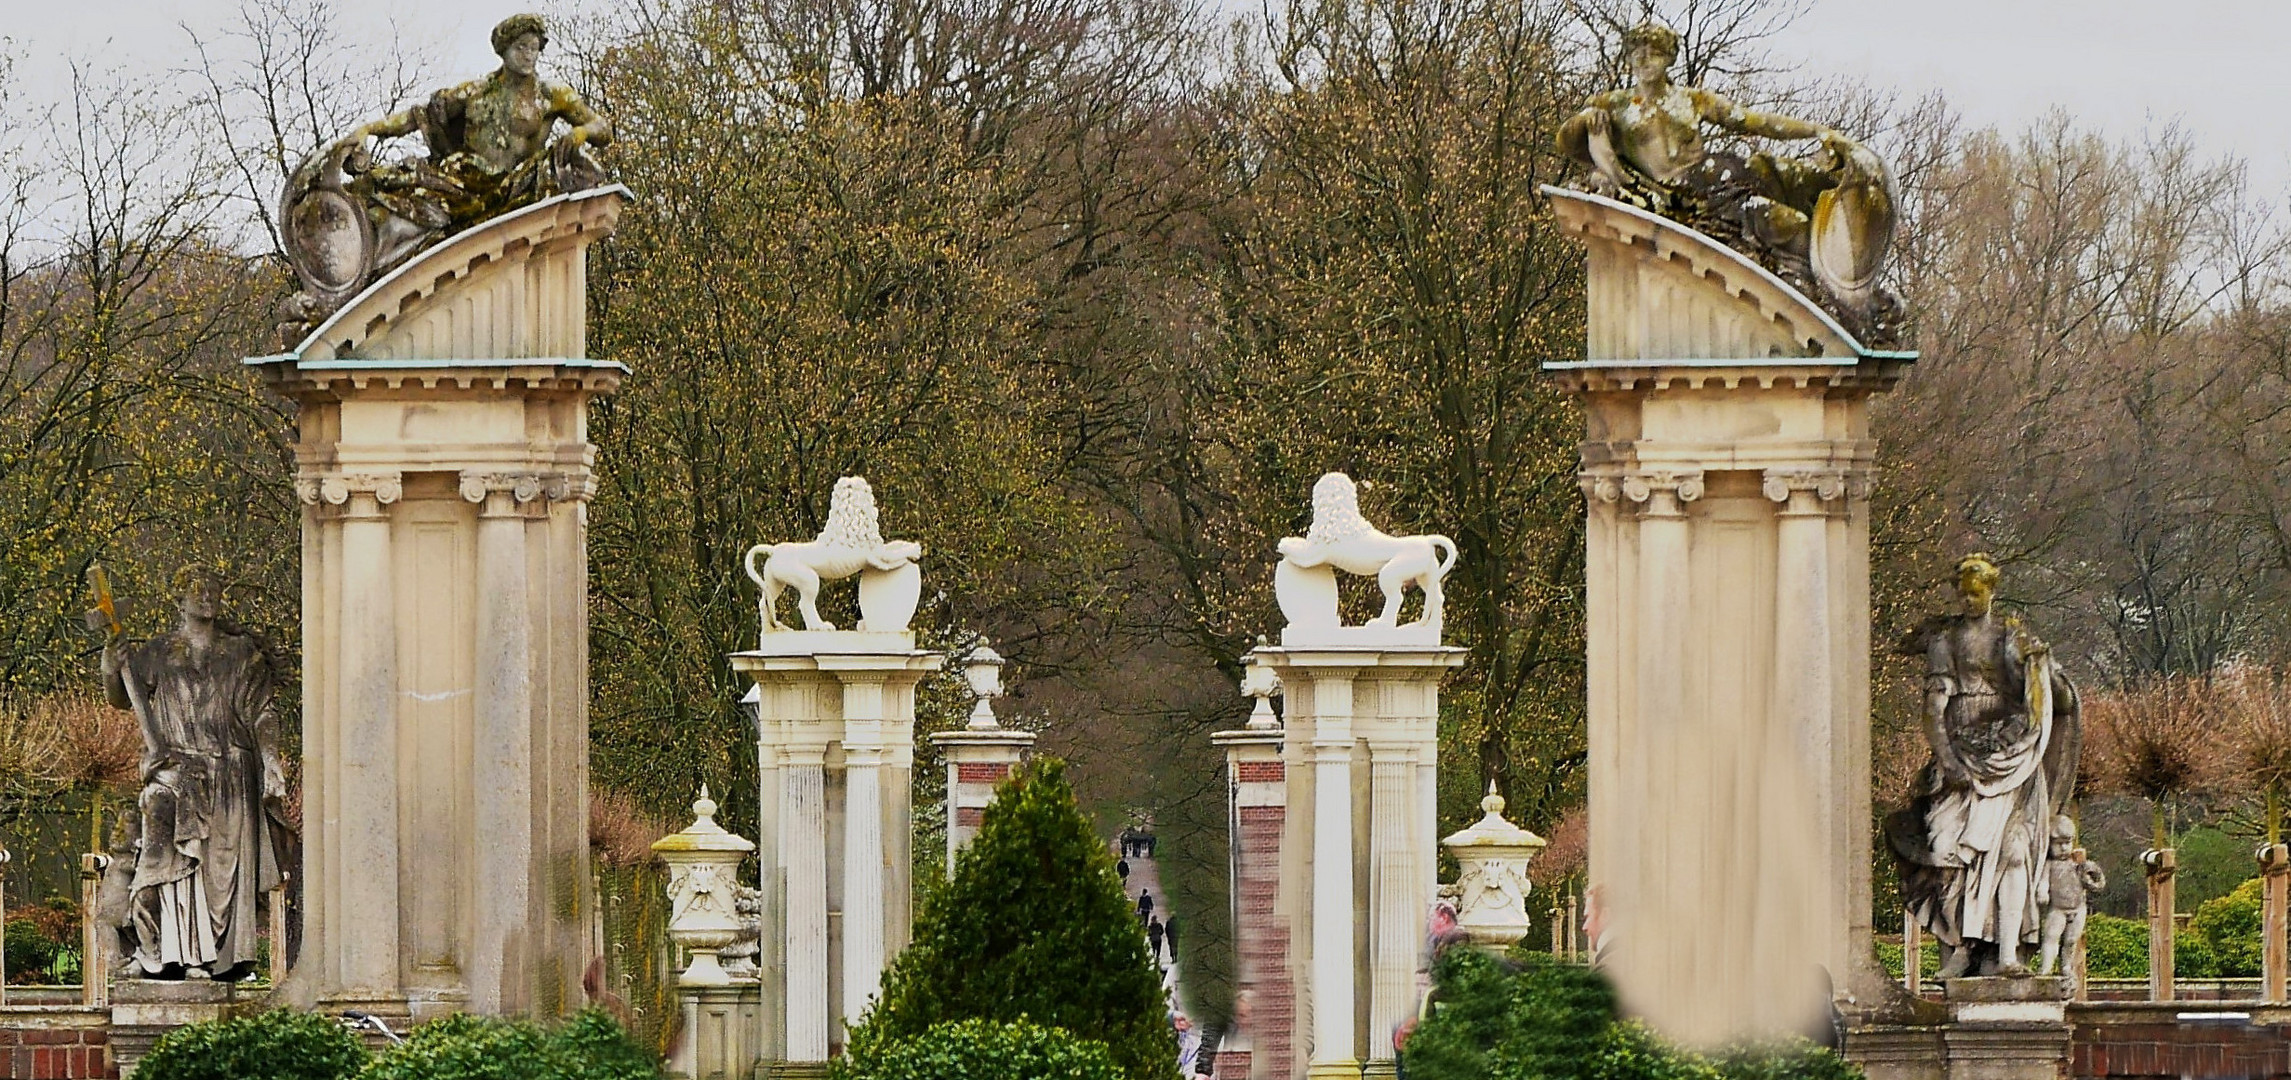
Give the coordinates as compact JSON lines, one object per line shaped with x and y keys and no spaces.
{"x":835,"y":731}
{"x":1359,"y":756}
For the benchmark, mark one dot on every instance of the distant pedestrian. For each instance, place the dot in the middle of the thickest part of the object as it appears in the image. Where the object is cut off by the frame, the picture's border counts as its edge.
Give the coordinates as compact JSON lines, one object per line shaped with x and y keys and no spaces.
{"x":1169,"y":931}
{"x":1123,"y":868}
{"x":1154,"y":932}
{"x":1145,"y":902}
{"x":1151,"y":842}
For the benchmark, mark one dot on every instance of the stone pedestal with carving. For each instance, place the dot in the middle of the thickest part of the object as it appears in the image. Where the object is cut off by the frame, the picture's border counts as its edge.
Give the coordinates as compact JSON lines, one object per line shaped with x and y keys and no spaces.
{"x":1726,"y":466}
{"x":835,"y":725}
{"x":1358,"y":765}
{"x":1492,"y":856}
{"x":443,"y":464}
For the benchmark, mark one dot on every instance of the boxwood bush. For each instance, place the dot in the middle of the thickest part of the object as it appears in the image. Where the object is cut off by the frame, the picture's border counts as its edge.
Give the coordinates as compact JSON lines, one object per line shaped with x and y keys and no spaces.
{"x":278,"y":1045}
{"x":590,"y":1046}
{"x":981,"y":1049}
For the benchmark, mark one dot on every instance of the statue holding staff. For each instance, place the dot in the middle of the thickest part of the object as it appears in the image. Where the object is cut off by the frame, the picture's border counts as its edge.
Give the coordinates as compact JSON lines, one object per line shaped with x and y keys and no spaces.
{"x":210,"y":830}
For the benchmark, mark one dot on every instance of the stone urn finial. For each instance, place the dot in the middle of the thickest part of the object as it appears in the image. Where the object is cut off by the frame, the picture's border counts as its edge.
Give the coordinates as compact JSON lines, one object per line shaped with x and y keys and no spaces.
{"x":703,"y":890}
{"x":1491,"y":886}
{"x":983,"y":671}
{"x":1261,"y":682}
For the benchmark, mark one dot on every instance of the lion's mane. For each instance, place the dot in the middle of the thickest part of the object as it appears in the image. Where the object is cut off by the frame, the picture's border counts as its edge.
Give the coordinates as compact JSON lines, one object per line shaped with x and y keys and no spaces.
{"x":1336,"y":511}
{"x":851,"y":517}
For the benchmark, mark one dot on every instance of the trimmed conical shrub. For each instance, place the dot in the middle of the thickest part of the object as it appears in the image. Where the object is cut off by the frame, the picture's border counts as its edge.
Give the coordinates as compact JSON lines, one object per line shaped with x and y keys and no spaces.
{"x":1033,"y":925}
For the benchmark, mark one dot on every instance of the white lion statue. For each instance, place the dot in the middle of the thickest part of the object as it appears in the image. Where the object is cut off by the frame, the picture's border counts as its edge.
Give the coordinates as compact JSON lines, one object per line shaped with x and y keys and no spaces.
{"x":1342,"y":539}
{"x":851,"y":543}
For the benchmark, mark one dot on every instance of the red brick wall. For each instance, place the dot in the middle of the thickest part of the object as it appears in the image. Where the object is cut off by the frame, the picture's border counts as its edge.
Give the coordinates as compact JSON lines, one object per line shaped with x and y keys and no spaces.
{"x":970,"y":815}
{"x":54,"y":1053}
{"x":980,"y":772}
{"x":1264,"y":937}
{"x":1258,"y":772}
{"x":2167,"y":1049}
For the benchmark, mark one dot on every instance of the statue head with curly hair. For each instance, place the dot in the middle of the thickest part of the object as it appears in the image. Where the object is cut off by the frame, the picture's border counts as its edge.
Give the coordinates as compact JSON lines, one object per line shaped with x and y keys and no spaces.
{"x":1336,"y":510}
{"x":514,"y":29}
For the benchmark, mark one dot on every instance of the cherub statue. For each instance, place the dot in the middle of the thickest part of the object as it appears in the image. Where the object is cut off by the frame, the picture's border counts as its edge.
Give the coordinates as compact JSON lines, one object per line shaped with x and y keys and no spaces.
{"x":1342,"y":539}
{"x":1826,"y":219}
{"x":850,"y":543}
{"x":2069,"y":880}
{"x":493,"y":146}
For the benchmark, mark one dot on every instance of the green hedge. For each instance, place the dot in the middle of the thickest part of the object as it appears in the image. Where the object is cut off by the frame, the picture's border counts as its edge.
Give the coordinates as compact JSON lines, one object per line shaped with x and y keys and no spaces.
{"x":982,"y":1050}
{"x":1536,"y":1018}
{"x":289,"y":1045}
{"x":2229,"y":928}
{"x":279,"y":1045}
{"x":2221,"y":941}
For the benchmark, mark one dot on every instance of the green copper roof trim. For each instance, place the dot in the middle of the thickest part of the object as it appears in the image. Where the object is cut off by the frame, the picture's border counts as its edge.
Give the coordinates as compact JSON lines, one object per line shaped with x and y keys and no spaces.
{"x":357,"y":364}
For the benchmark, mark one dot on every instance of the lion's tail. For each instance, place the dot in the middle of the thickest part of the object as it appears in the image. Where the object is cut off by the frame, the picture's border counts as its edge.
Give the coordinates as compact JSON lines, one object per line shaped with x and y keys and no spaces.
{"x":749,"y":561}
{"x":1449,"y":546}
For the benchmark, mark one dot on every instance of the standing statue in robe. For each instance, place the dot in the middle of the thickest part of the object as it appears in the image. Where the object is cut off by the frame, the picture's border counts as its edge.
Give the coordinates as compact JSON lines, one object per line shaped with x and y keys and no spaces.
{"x":2005,"y":730}
{"x":1823,"y":223}
{"x":210,"y":827}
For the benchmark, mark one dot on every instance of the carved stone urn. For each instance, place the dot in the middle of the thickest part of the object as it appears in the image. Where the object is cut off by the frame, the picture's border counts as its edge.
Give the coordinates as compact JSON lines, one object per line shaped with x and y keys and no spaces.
{"x":703,"y":891}
{"x":1491,"y":880}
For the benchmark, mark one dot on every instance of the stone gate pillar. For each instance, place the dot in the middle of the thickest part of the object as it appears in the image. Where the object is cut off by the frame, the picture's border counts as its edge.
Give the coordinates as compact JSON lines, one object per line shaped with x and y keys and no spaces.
{"x":979,"y":755}
{"x":443,"y":465}
{"x":1726,"y":466}
{"x":1262,"y":1044}
{"x":835,"y":725}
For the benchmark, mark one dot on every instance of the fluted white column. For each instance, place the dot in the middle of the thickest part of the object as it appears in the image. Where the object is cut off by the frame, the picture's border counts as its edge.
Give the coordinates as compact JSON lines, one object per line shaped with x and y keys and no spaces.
{"x":368,"y":752}
{"x":1397,"y":898}
{"x":863,"y":883}
{"x":1332,"y":900}
{"x":502,"y":777}
{"x":803,"y":851}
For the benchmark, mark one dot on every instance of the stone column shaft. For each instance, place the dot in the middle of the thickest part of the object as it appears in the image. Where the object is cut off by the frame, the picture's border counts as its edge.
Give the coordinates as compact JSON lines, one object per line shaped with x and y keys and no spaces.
{"x":803,"y":850}
{"x":366,"y":932}
{"x":863,"y":944}
{"x":1333,"y":1053}
{"x":1397,"y":899}
{"x":502,"y":777}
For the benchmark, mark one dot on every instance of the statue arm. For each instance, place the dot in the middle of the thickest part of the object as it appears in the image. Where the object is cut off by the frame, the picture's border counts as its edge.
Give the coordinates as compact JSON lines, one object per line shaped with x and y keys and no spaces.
{"x":1722,"y":111}
{"x":115,"y":677}
{"x":1574,"y":136}
{"x":589,"y":126}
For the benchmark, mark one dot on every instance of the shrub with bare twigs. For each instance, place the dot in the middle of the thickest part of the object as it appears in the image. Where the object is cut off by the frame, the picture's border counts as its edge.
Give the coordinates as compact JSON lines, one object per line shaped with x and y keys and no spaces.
{"x":58,"y":742}
{"x":1567,"y":850}
{"x":2259,"y":737}
{"x":2158,"y":742}
{"x":620,"y":833}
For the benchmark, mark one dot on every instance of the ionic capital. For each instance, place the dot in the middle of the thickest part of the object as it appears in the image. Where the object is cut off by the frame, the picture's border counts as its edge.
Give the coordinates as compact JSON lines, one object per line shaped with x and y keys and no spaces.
{"x":1814,"y":490}
{"x":335,"y":489}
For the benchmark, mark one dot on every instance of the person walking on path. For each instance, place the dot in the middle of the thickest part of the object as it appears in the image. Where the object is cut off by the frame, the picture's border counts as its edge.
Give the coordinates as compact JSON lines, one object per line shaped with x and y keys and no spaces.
{"x":1169,"y":934}
{"x":1153,"y":939}
{"x":1123,"y":868}
{"x":1145,"y":904}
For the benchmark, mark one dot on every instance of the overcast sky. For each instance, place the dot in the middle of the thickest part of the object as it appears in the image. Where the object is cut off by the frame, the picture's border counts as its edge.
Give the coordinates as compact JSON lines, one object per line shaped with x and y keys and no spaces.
{"x":2217,"y":66}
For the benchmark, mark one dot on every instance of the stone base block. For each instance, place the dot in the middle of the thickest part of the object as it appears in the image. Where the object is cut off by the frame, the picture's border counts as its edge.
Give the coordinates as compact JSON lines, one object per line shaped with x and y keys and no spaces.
{"x":2007,"y":1052}
{"x":1333,"y":1070}
{"x":142,"y":1010}
{"x":723,"y":1029}
{"x":2028,"y":999}
{"x":1888,"y":1052}
{"x":792,"y":1070}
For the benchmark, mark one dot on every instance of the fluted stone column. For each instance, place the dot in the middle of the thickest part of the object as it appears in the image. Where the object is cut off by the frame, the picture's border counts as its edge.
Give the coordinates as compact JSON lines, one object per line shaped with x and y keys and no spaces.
{"x":1334,"y":1056}
{"x":803,"y":852}
{"x":835,"y":724}
{"x":503,"y":763}
{"x":362,"y":821}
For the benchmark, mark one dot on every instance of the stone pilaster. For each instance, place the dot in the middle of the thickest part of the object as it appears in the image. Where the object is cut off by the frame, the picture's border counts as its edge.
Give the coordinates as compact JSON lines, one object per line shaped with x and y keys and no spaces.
{"x":1263,"y":1043}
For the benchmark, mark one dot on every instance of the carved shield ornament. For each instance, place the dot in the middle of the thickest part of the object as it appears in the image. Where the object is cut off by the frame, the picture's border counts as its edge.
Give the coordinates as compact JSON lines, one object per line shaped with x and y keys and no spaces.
{"x":333,"y":243}
{"x":1853,"y":226}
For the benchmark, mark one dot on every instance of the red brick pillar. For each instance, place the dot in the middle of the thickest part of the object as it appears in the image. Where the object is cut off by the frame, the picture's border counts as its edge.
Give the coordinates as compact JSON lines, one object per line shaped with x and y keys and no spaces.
{"x":1263,"y":1043}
